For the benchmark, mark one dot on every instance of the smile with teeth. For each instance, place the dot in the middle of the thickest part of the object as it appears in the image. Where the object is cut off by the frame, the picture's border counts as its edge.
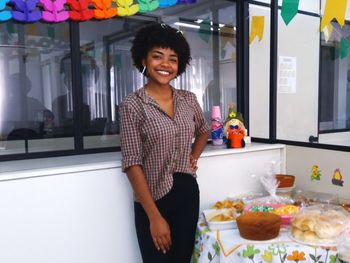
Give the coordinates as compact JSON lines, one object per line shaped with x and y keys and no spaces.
{"x":162,"y":72}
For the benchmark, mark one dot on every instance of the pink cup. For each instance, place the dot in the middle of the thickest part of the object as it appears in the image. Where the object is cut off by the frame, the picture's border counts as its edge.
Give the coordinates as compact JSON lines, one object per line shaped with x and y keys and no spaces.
{"x":216,"y":113}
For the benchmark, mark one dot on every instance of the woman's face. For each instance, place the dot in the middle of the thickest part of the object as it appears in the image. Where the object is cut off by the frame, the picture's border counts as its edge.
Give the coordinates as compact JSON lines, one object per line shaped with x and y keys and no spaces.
{"x":162,"y":65}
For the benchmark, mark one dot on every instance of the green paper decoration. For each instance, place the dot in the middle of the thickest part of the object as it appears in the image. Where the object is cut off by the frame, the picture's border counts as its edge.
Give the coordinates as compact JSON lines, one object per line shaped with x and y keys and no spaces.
{"x":344,"y":46}
{"x":205,"y":30}
{"x":289,"y":10}
{"x":51,"y":32}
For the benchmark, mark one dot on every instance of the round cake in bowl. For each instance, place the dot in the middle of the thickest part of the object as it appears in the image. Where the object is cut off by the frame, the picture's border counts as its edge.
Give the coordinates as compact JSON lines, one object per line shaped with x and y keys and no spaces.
{"x":258,"y":225}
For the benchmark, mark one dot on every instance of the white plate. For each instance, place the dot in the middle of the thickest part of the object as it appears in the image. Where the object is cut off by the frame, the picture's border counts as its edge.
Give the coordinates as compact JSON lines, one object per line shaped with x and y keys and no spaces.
{"x":324,"y":243}
{"x":224,"y":225}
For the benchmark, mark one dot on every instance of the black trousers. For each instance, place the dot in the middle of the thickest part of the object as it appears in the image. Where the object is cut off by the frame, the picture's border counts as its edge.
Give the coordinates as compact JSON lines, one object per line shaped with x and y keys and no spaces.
{"x":180,"y":207}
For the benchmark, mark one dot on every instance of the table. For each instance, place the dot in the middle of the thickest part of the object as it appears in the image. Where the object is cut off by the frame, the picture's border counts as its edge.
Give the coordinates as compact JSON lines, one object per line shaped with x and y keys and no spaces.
{"x":227,"y":246}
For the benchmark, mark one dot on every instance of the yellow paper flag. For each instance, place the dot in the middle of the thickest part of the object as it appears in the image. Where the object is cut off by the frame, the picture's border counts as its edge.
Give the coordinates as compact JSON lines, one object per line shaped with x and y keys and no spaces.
{"x":227,"y":36}
{"x":334,"y":9}
{"x":328,"y":32}
{"x":257,"y":28}
{"x":32,"y":30}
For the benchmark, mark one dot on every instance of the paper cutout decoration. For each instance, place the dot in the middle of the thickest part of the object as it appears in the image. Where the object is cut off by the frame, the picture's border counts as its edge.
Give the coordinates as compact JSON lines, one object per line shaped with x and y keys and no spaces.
{"x":344,"y":47}
{"x":32,"y":30}
{"x":334,"y":9}
{"x":316,"y":174}
{"x":227,"y":36}
{"x":126,"y":7}
{"x":289,"y":10}
{"x":25,"y":10}
{"x":337,"y":178}
{"x":328,"y":32}
{"x":4,"y":14}
{"x":257,"y":28}
{"x":79,"y":10}
{"x":51,"y":32}
{"x":148,"y":5}
{"x":167,"y":3}
{"x":103,"y":9}
{"x":54,"y":11}
{"x":186,"y":1}
{"x":205,"y":30}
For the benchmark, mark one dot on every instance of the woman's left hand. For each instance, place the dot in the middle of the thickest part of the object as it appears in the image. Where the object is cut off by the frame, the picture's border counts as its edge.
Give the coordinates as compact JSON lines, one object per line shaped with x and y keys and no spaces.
{"x":193,"y":162}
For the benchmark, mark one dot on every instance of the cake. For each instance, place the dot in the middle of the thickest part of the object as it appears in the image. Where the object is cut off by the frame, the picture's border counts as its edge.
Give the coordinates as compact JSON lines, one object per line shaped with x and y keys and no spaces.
{"x":258,"y":225}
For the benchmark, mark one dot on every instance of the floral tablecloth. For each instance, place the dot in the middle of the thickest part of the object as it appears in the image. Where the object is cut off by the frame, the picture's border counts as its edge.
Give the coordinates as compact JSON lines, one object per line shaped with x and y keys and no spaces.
{"x":227,"y":246}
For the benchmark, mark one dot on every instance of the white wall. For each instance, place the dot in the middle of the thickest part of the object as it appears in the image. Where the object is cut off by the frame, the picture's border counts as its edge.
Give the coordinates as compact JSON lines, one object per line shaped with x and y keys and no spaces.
{"x":301,"y":159}
{"x":79,"y":209}
{"x":76,"y":217}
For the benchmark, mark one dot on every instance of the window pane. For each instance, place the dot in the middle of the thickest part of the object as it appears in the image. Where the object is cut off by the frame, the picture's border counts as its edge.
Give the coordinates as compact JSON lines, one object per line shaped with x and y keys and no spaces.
{"x":259,"y":77}
{"x":31,"y":58}
{"x":298,"y":78}
{"x":335,"y":84}
{"x":210,"y":29}
{"x":104,"y":89}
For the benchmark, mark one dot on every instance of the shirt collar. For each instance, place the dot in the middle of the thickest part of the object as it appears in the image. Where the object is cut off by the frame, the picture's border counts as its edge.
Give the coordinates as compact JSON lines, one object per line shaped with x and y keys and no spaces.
{"x":147,"y":99}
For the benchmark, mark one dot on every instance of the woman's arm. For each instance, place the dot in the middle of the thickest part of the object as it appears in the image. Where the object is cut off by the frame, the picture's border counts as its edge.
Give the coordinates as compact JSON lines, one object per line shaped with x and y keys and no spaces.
{"x":160,"y":230}
{"x":197,"y":148}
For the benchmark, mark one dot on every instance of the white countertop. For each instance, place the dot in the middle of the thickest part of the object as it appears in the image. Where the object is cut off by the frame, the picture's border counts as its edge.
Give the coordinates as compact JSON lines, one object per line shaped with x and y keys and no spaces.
{"x":12,"y":170}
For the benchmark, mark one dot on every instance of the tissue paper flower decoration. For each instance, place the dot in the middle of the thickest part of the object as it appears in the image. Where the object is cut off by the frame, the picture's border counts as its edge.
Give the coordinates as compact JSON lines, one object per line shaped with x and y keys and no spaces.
{"x":54,"y":10}
{"x":80,"y":10}
{"x":126,"y":7}
{"x":167,"y":3}
{"x":148,"y":5}
{"x":4,"y":14}
{"x":25,"y":10}
{"x":103,"y":9}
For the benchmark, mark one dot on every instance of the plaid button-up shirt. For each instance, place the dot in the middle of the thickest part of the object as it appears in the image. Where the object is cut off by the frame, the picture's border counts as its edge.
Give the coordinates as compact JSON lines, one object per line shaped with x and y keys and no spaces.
{"x":158,"y":143}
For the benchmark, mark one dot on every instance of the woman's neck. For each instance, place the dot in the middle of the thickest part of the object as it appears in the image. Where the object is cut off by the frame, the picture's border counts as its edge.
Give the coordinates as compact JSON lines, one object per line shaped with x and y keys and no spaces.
{"x":159,"y":91}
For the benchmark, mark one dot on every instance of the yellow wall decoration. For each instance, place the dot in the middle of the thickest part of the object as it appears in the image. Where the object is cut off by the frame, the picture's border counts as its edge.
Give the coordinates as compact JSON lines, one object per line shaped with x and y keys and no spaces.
{"x":257,"y":28}
{"x":334,"y":9}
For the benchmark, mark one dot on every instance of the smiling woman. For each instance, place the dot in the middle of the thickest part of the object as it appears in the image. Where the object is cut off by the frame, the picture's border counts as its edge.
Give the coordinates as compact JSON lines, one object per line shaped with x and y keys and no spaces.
{"x":158,"y":123}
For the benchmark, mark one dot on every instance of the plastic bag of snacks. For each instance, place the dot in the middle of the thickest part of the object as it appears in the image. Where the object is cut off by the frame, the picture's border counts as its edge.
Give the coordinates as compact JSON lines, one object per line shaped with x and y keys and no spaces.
{"x":270,"y":185}
{"x":319,"y":224}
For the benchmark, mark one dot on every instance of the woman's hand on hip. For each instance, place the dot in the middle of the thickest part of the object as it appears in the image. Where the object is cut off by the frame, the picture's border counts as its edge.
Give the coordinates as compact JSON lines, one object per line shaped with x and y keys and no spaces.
{"x":160,"y":232}
{"x":193,"y":162}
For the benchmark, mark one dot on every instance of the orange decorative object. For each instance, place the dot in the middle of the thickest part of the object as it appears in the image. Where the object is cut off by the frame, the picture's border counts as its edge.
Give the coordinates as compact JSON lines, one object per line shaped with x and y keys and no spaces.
{"x":103,"y":9}
{"x":80,"y":10}
{"x":235,"y":137}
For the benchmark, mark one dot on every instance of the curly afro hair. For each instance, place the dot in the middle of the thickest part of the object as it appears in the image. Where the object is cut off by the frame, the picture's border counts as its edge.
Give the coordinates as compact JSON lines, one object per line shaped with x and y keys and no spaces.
{"x":163,"y":36}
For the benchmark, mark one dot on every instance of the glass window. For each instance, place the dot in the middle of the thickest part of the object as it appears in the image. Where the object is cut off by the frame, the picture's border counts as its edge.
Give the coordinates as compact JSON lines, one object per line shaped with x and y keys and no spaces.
{"x":210,"y":29}
{"x":36,"y":92}
{"x":259,"y":77}
{"x":33,"y":77}
{"x":334,"y":84}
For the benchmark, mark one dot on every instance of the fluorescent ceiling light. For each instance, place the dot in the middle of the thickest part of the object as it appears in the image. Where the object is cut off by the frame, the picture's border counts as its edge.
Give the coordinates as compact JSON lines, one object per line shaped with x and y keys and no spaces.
{"x":186,"y":25}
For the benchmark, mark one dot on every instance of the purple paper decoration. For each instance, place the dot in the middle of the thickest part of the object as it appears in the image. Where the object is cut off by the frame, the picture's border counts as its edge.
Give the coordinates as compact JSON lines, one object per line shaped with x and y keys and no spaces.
{"x":25,"y":10}
{"x":167,"y":3}
{"x":54,"y":10}
{"x":4,"y":14}
{"x":186,"y":1}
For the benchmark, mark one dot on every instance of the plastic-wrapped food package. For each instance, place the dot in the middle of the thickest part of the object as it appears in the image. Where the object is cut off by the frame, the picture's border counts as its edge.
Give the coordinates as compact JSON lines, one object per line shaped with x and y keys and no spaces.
{"x":319,"y":224}
{"x":307,"y":198}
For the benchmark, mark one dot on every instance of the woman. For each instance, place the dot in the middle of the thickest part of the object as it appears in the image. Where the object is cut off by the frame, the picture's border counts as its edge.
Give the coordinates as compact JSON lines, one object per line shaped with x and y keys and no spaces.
{"x":158,"y":124}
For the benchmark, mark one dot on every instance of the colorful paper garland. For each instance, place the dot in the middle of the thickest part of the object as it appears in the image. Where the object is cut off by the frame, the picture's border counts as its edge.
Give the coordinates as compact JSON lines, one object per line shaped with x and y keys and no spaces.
{"x":54,"y":11}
